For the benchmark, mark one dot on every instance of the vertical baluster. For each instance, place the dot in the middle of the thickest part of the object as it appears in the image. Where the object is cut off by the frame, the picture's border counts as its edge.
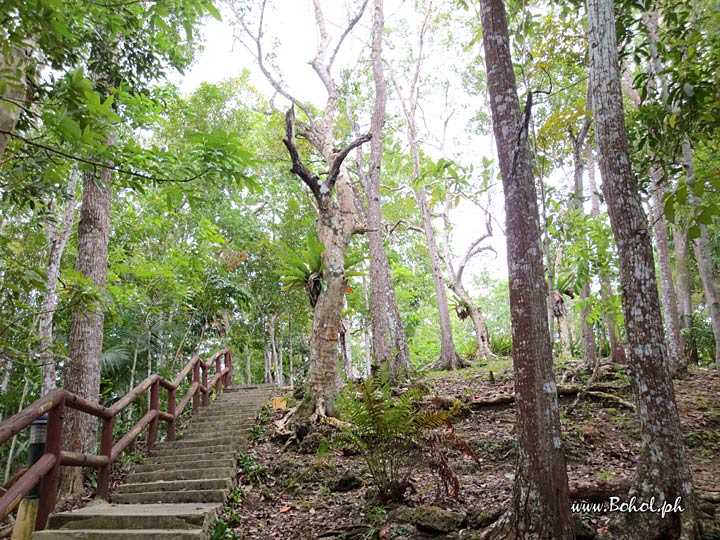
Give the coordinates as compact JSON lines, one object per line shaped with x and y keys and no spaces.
{"x":218,"y":369}
{"x":53,"y":443}
{"x":229,"y":376}
{"x":171,"y":410}
{"x":204,"y":383}
{"x":106,"y":443}
{"x":154,"y":406}
{"x":196,"y":379}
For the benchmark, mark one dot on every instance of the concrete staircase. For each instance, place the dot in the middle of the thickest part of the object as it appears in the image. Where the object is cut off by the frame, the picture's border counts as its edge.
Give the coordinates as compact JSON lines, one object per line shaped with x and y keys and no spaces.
{"x":177,"y":492}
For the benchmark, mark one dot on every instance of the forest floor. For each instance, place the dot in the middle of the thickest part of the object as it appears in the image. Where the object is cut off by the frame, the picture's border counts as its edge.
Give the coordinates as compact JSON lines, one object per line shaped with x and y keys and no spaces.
{"x":315,"y":490}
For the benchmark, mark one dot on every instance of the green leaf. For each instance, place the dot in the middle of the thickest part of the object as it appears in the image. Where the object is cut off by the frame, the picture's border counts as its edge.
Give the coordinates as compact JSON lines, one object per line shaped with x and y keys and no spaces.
{"x":693,"y":232}
{"x":669,"y":208}
{"x":70,"y":129}
{"x":213,"y":11}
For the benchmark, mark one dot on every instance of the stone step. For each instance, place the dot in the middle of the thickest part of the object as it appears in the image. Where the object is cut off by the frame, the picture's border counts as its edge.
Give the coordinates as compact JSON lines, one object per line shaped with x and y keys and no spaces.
{"x":181,"y":474}
{"x":261,"y":386}
{"x":204,"y":434}
{"x":191,"y":455}
{"x":120,"y":534}
{"x":227,"y":411}
{"x":189,"y":451}
{"x":166,"y":497}
{"x":132,"y":516}
{"x":187,"y":443}
{"x":198,"y":463}
{"x":177,"y":485}
{"x":229,"y":423}
{"x":225,"y":415}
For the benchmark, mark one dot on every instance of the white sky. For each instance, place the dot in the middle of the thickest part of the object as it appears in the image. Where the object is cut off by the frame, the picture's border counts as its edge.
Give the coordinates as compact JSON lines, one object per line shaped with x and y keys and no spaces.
{"x":293,"y":31}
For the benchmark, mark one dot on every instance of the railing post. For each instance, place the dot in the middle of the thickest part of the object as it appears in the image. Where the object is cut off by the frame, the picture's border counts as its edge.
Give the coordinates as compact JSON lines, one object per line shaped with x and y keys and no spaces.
{"x":171,"y":411}
{"x":206,"y":392}
{"x":196,"y":378}
{"x":154,"y":406}
{"x":218,"y":369}
{"x":106,"y":444}
{"x":53,"y":445}
{"x":230,"y":375}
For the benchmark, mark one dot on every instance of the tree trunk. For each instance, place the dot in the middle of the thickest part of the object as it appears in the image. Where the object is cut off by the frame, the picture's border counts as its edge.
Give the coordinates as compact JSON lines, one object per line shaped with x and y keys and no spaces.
{"x":275,"y":355}
{"x":248,"y":365}
{"x":576,"y":203}
{"x":334,"y":230}
{"x":82,"y":375}
{"x":378,"y":257}
{"x":684,"y":291}
{"x":703,"y":256}
{"x":588,"y":332}
{"x":563,"y":331}
{"x":540,"y":507}
{"x":663,"y":472}
{"x":456,"y":272}
{"x":346,"y":350}
{"x":281,"y":363}
{"x":448,"y":357}
{"x":267,"y":357}
{"x":617,"y":350}
{"x":336,"y":225}
{"x":290,"y":354}
{"x":366,"y":331}
{"x":58,"y":238}
{"x":384,"y":312}
{"x":482,"y":336}
{"x":668,"y":298}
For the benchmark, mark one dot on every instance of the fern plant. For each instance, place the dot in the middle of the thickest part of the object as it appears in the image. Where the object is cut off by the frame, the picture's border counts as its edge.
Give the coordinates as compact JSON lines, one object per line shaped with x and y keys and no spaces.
{"x":395,"y":436}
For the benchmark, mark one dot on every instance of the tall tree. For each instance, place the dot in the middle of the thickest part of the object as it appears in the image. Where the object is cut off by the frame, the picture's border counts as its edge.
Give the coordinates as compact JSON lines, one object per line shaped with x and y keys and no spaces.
{"x":703,"y":255}
{"x":576,"y":204}
{"x":58,"y":237}
{"x":387,"y":329}
{"x":540,"y":507}
{"x":333,"y":197}
{"x":467,"y":306}
{"x":449,"y":358}
{"x":617,"y":349}
{"x":663,"y":472}
{"x":82,"y":375}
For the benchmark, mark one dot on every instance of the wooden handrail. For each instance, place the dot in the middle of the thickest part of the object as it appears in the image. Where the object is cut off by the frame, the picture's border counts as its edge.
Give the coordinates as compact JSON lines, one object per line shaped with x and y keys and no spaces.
{"x":47,"y":468}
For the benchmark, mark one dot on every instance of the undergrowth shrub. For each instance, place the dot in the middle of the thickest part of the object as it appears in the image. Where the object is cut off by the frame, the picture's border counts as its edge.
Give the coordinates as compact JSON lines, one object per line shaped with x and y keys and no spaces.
{"x":501,"y":343}
{"x":396,"y":436}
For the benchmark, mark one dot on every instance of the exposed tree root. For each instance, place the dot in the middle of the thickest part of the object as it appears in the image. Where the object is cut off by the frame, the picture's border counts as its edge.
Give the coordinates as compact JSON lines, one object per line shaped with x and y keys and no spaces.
{"x":439,"y":365}
{"x":500,"y":530}
{"x":569,"y":390}
{"x":600,"y":491}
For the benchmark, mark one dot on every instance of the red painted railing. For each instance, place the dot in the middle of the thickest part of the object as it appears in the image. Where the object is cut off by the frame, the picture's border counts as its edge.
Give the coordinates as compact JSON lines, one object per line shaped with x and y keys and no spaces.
{"x":54,"y":403}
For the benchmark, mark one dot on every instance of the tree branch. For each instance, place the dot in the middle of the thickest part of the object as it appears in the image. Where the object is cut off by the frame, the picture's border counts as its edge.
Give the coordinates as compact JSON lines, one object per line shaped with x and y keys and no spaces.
{"x":100,"y":164}
{"x":473,"y":249}
{"x":258,"y":54}
{"x":337,"y":158}
{"x":298,"y":167}
{"x":347,"y":31}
